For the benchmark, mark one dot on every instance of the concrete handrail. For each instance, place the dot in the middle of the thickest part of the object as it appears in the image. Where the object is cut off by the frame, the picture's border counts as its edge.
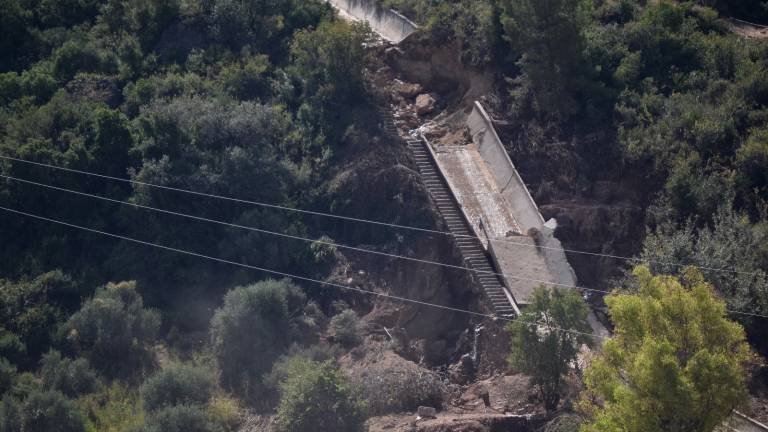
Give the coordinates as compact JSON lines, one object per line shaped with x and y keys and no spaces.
{"x":503,"y":170}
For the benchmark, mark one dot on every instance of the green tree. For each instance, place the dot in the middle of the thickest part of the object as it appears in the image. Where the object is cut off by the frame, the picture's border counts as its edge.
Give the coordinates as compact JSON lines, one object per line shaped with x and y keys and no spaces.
{"x":30,"y":310}
{"x":50,"y":411}
{"x":252,"y":329}
{"x":112,"y":140}
{"x":71,"y":377}
{"x":329,"y":61}
{"x":547,"y":36}
{"x":546,"y":339}
{"x":731,"y":242}
{"x":73,"y":57}
{"x":177,"y":384}
{"x":14,"y":21}
{"x":114,"y":330}
{"x":752,"y":165}
{"x":675,"y":363}
{"x":315,"y":397}
{"x":9,"y":415}
{"x":246,"y":80}
{"x":7,"y":376}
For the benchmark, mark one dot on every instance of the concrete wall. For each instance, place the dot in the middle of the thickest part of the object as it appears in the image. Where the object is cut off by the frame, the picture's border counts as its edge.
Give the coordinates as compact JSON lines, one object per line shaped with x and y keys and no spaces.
{"x":503,"y":170}
{"x":519,"y":198}
{"x":391,"y":25}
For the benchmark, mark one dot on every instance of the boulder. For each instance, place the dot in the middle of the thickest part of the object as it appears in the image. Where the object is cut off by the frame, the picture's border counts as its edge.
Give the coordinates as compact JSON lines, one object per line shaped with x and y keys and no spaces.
{"x":408,"y":90}
{"x":425,"y":104}
{"x":426,"y":412}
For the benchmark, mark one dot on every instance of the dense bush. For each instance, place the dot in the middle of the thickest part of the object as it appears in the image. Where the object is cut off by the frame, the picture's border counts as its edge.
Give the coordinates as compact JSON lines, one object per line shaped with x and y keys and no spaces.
{"x":180,"y":418}
{"x":547,"y":339}
{"x":7,"y":376}
{"x":315,"y":396}
{"x":70,"y":377}
{"x":30,"y":310}
{"x":251,"y":330}
{"x":114,"y":330}
{"x":346,"y":328}
{"x":115,"y":408}
{"x":49,"y":411}
{"x":732,"y":243}
{"x":177,"y":384}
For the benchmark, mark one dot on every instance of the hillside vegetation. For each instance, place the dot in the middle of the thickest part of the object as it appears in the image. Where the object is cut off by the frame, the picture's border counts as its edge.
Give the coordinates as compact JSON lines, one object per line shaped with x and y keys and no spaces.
{"x":270,"y":102}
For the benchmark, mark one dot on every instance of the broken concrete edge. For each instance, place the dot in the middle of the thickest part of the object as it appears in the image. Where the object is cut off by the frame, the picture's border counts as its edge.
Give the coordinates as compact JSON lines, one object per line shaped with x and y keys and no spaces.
{"x":507,"y":289}
{"x":526,"y":211}
{"x":388,"y":23}
{"x":529,"y":216}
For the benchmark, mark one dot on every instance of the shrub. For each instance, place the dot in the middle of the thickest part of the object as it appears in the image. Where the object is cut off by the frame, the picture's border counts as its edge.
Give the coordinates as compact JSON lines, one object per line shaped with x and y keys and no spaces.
{"x":71,"y":377}
{"x":114,"y":408}
{"x":177,"y":385}
{"x":180,"y":418}
{"x":74,"y":57}
{"x":50,"y":411}
{"x":12,"y":348}
{"x":114,"y":330}
{"x":9,"y":415}
{"x":225,"y":412}
{"x":7,"y":376}
{"x":251,"y":330}
{"x":247,"y":80}
{"x":315,"y":397}
{"x":346,"y":328}
{"x":398,"y":389}
{"x":540,"y":349}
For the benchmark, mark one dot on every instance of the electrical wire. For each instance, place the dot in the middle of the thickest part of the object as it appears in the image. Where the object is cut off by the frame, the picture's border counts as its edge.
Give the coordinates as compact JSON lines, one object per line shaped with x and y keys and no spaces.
{"x":305,"y":239}
{"x":289,"y":275}
{"x":368,"y":221}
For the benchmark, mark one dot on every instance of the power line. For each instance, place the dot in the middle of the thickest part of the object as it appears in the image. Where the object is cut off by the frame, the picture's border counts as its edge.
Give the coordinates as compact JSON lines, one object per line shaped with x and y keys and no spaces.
{"x":289,"y":275}
{"x":373,"y":222}
{"x":305,"y":239}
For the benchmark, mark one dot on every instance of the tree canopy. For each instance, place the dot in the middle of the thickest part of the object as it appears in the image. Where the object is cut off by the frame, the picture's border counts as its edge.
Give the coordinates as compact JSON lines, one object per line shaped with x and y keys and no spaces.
{"x":251,"y":330}
{"x":546,"y":339}
{"x":675,"y":362}
{"x":315,"y":396}
{"x":114,"y":330}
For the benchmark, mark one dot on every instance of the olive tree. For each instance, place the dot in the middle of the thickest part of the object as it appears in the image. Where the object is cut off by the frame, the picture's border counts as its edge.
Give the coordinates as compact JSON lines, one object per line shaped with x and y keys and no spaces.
{"x":252,"y":329}
{"x":177,"y":384}
{"x":114,"y":330}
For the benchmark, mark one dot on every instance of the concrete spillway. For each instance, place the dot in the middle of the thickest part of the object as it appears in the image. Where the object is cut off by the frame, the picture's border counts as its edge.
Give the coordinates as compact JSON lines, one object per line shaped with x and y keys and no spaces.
{"x":389,"y":24}
{"x":502,"y":212}
{"x":503,"y":215}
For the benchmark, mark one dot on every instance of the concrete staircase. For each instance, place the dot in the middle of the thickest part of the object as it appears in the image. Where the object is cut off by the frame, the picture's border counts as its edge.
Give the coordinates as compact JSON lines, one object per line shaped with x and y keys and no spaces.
{"x":475,"y":256}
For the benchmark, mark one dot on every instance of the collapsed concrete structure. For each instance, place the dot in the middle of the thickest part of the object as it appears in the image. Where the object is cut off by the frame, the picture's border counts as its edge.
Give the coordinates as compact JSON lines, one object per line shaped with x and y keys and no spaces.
{"x":502,"y":212}
{"x":389,"y":24}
